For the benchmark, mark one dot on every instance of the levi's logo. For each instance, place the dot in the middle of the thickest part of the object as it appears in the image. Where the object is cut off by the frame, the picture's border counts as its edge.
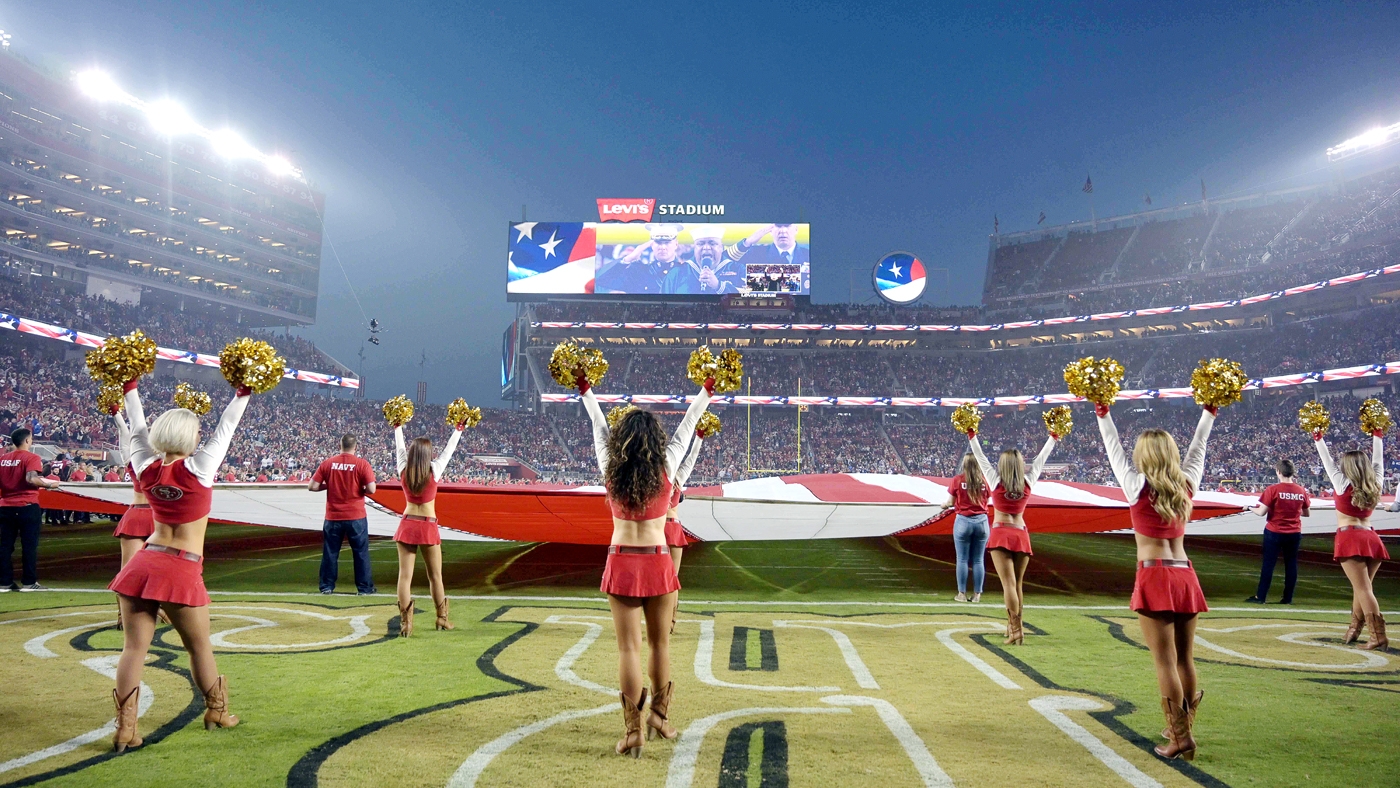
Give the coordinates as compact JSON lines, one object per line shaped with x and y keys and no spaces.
{"x":623,"y":210}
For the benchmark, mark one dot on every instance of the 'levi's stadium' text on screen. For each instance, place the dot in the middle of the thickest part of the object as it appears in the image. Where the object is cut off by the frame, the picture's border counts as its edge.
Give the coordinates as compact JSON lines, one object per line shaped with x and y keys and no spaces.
{"x":691,"y":260}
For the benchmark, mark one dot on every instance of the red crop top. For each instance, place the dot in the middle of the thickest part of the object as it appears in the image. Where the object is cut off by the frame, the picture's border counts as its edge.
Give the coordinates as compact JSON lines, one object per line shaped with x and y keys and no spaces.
{"x":1010,"y":505}
{"x":675,"y":495}
{"x":176,"y":495}
{"x":1346,"y":507}
{"x":135,"y":480}
{"x":1147,"y":522}
{"x":655,"y":508}
{"x":963,"y":503}
{"x":427,"y":495}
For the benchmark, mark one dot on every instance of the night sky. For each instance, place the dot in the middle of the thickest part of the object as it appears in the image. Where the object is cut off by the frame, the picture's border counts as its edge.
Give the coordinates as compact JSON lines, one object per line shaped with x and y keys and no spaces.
{"x":886,"y":125}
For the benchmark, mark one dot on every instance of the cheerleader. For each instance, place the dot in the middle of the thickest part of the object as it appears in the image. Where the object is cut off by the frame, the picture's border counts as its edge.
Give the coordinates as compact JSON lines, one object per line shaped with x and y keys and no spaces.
{"x":638,"y":466}
{"x":1158,"y":486}
{"x":167,"y":573}
{"x":1010,"y":542}
{"x":1357,"y":547}
{"x":136,"y":523}
{"x":418,"y":529}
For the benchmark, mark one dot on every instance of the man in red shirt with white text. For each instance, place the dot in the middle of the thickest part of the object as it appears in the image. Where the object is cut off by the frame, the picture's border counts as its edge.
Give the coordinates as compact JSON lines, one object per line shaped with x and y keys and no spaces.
{"x":347,"y":479}
{"x":21,"y":477}
{"x":1285,"y":505}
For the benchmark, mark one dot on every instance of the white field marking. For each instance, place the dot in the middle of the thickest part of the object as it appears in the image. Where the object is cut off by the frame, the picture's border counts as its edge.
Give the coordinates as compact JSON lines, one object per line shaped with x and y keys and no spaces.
{"x":945,"y":636}
{"x":358,"y":628}
{"x":564,"y":668}
{"x":682,"y":771}
{"x":470,"y":771}
{"x":704,"y":667}
{"x":38,"y":646}
{"x":107,"y":666}
{"x":914,"y":747}
{"x":1370,"y":659}
{"x":864,"y":679}
{"x":858,"y":665}
{"x":1053,"y":708}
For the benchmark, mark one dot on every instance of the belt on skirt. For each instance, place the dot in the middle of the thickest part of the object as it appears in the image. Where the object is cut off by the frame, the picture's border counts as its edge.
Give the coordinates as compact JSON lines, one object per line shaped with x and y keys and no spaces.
{"x":627,"y":549}
{"x":1009,"y":525}
{"x":1173,"y":563}
{"x":175,"y":551}
{"x":1352,"y":528}
{"x":140,"y":506}
{"x":420,"y":517}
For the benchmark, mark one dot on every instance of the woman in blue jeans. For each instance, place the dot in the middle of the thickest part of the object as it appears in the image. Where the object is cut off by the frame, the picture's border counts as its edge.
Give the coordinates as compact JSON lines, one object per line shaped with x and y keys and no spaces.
{"x":969,"y":499}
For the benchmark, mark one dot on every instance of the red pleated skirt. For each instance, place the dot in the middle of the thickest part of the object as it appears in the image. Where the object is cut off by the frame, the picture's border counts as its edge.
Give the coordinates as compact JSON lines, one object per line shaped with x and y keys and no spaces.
{"x":162,"y":577}
{"x":1168,"y":589}
{"x":416,"y":531}
{"x":675,"y":534}
{"x":640,"y":575}
{"x":136,"y":523}
{"x":1358,"y":543}
{"x":1017,"y":540}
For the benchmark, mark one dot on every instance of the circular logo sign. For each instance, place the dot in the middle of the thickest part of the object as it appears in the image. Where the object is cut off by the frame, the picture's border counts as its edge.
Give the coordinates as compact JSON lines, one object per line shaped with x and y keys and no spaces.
{"x":899,"y":278}
{"x":166,"y":492}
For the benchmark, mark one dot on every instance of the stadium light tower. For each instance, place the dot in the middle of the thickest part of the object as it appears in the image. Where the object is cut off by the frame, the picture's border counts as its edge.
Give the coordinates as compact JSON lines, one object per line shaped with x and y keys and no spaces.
{"x":4,"y":40}
{"x":100,"y":86}
{"x":228,"y":144}
{"x":1368,"y":141}
{"x":169,"y":118}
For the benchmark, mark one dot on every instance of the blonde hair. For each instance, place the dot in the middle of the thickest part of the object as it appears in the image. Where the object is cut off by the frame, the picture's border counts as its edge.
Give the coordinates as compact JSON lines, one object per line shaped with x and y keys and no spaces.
{"x":972,"y":475}
{"x":1011,"y":467}
{"x":1365,"y":487}
{"x":1156,"y":456}
{"x":176,"y":431}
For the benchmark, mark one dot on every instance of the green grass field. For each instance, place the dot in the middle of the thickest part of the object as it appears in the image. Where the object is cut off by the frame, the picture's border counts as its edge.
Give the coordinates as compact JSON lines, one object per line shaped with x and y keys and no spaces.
{"x":815,"y":663}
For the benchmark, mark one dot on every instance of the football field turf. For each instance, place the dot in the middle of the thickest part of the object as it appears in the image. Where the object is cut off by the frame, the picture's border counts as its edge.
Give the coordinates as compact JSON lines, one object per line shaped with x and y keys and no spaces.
{"x":796,"y":663}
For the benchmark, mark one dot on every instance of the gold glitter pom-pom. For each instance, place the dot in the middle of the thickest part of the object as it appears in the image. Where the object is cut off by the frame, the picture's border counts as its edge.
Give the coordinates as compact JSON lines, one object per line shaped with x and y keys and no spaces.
{"x":398,"y":411}
{"x":708,"y":425}
{"x":123,"y":358}
{"x":1217,"y":382}
{"x":966,"y":418}
{"x":730,"y":373}
{"x":1058,"y":421}
{"x":1314,"y":418}
{"x":1096,"y":380}
{"x":615,"y":415}
{"x":459,"y":412}
{"x":1375,"y":417}
{"x":568,"y":359}
{"x":701,"y":366}
{"x":186,"y":397}
{"x":252,"y":364}
{"x":110,"y":398}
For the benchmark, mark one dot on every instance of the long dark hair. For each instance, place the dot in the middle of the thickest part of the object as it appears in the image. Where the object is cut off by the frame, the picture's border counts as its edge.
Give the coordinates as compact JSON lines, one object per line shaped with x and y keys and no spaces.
{"x":419,"y":469}
{"x":636,"y":460}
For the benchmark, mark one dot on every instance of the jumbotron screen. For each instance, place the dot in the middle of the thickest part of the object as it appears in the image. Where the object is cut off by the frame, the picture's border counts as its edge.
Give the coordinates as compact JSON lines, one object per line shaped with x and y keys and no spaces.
{"x":657,"y":259}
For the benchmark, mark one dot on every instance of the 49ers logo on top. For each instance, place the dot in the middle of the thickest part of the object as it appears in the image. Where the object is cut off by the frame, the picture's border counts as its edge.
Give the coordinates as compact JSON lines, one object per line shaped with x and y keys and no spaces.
{"x":166,"y":492}
{"x":614,"y":210}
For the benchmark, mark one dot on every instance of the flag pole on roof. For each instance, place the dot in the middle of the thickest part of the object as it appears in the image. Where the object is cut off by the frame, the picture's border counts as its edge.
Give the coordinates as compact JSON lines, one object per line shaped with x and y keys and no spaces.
{"x":1089,"y":190}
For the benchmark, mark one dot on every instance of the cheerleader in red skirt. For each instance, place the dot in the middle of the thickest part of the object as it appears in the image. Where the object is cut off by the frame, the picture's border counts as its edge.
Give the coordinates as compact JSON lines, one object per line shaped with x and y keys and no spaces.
{"x":136,"y":523}
{"x":1009,"y":541}
{"x":638,"y":465}
{"x":1158,"y":486}
{"x":168,"y":572}
{"x":1357,"y":547}
{"x":418,"y":530}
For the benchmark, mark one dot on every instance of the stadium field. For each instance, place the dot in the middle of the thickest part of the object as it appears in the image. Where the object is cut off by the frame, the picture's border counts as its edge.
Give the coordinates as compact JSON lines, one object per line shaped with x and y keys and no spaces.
{"x":796,"y":663}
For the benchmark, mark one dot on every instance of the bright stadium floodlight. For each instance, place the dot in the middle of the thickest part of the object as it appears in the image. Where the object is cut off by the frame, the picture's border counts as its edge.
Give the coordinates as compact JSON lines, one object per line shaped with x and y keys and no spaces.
{"x":169,"y":118}
{"x":279,"y":166}
{"x":99,"y":85}
{"x":228,"y":144}
{"x":1366,"y":141}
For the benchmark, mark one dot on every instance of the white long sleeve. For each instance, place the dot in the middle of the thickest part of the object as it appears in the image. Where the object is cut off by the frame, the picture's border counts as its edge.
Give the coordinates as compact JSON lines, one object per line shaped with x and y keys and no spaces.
{"x":139,"y":451}
{"x":1128,"y":477}
{"x":989,"y":471}
{"x":1038,"y":464}
{"x":688,"y":465}
{"x":1194,"y":463}
{"x":205,"y":462}
{"x":600,"y":429}
{"x":675,"y":450}
{"x":400,"y":451}
{"x":1339,"y":481}
{"x":1378,"y":459}
{"x":440,"y":464}
{"x":123,"y":437}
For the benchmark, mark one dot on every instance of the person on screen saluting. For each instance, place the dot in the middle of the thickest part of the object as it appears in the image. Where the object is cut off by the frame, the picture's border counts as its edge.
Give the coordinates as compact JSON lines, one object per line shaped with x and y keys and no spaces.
{"x":714,"y":269}
{"x":643,"y":270}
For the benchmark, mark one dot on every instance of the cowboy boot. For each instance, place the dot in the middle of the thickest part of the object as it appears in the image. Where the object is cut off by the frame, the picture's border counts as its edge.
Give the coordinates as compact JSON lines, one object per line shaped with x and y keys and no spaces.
{"x":631,"y":741}
{"x":442,"y":622}
{"x":1180,"y":744}
{"x":1378,"y":641}
{"x":1013,"y":630}
{"x":216,"y":706}
{"x":406,"y":619}
{"x":657,"y":721}
{"x":1195,"y":703}
{"x":1353,"y":629}
{"x":126,"y":735}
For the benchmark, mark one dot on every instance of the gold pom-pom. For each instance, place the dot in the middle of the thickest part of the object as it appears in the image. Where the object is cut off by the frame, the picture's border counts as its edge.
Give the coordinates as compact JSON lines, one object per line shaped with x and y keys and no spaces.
{"x":966,"y":418}
{"x":123,"y":358}
{"x":1218,"y":382}
{"x":186,"y":397}
{"x":1096,"y":380}
{"x":708,"y":425}
{"x":459,"y":412}
{"x":730,"y":373}
{"x":398,"y":411}
{"x":110,"y":398}
{"x":252,"y":364}
{"x":615,"y":415}
{"x":701,"y":366}
{"x":1314,"y":418}
{"x":568,"y":359}
{"x":1375,"y":417}
{"x":1058,"y":421}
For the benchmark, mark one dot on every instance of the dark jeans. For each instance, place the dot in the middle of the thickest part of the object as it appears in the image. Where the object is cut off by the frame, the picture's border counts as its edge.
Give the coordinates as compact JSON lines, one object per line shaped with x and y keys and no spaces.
{"x":1274,"y":543}
{"x":24,"y":522}
{"x":335,"y":532}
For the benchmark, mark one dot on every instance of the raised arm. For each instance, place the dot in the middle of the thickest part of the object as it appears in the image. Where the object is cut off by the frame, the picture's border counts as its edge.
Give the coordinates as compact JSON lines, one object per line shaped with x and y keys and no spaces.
{"x":1378,"y":457}
{"x":400,"y":451}
{"x":989,"y":471}
{"x":1339,"y":481}
{"x":440,"y":464}
{"x":139,"y":451}
{"x":1194,"y":464}
{"x":1038,"y":464}
{"x":688,"y":465}
{"x":1128,"y":477}
{"x":205,"y":463}
{"x":675,"y":450}
{"x":123,"y":437}
{"x":600,"y":429}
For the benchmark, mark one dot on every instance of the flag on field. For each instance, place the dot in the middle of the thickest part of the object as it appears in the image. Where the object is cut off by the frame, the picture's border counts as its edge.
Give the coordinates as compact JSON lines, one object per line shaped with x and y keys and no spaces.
{"x":1041,"y":220}
{"x":1147,"y":198}
{"x":1088,"y":185}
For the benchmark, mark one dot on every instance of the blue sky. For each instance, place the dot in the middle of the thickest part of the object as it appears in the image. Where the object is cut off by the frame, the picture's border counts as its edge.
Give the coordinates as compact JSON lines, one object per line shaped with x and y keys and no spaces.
{"x":886,"y":125}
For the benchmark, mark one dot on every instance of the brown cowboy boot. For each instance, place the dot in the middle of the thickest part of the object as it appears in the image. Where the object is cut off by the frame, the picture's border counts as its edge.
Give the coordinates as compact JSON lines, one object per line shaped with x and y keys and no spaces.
{"x":126,"y":735}
{"x":442,"y":622}
{"x":1180,"y":743}
{"x":657,"y":721}
{"x":216,"y":706}
{"x":1195,"y":703}
{"x":1378,"y":641}
{"x":1013,"y":630}
{"x":632,"y":740}
{"x":406,"y":619}
{"x":1353,"y":629}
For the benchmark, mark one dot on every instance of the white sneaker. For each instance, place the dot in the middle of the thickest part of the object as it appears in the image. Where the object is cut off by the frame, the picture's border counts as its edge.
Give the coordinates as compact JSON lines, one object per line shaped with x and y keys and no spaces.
{"x":34,"y":587}
{"x":961,"y":597}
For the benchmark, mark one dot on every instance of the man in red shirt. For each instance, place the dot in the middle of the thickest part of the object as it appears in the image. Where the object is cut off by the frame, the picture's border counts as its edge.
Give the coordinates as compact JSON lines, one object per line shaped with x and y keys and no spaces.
{"x":347,"y":479}
{"x":20,"y":480}
{"x":1285,"y":505}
